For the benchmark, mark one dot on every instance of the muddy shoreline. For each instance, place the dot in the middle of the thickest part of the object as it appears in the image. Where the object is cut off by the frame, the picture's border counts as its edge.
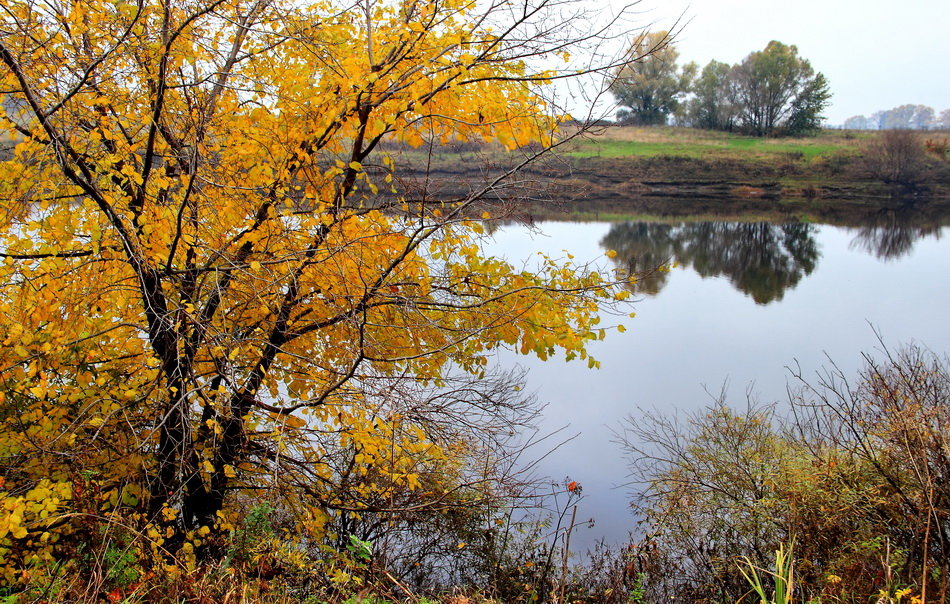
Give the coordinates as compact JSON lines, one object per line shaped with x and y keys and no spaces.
{"x":602,"y":188}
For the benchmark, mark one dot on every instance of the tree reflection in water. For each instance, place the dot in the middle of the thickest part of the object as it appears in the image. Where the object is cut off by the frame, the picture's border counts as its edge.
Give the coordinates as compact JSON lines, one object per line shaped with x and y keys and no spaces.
{"x":760,"y":259}
{"x":641,"y":248}
{"x":892,"y":234}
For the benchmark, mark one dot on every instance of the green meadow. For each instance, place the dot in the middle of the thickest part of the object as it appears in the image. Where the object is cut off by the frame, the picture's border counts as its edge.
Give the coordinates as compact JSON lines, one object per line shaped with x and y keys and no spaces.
{"x":628,"y":141}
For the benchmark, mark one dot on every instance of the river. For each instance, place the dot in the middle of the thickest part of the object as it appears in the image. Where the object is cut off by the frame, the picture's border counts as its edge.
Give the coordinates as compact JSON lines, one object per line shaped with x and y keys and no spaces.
{"x":746,"y":301}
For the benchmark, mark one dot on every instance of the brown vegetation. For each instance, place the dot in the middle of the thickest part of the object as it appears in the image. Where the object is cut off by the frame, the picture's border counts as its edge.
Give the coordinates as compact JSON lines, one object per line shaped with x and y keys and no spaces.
{"x":856,"y":477}
{"x":897,"y":157}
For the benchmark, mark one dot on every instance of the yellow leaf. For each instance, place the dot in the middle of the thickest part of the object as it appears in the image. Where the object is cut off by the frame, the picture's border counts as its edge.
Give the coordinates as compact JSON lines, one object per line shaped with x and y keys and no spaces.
{"x":292,"y":421}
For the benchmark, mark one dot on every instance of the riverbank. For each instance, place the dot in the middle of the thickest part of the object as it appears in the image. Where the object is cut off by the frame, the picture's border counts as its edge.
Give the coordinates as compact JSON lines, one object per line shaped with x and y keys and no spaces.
{"x":625,"y":172}
{"x":680,"y":162}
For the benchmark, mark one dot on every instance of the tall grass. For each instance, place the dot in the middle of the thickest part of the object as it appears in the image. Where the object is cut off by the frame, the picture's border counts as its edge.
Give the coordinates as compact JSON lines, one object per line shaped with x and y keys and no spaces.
{"x":783,"y":577}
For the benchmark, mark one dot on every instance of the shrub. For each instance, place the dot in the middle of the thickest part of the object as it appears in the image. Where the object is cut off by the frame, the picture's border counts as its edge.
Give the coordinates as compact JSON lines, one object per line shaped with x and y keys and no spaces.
{"x":855,"y":475}
{"x":940,"y":148}
{"x":896,"y":157}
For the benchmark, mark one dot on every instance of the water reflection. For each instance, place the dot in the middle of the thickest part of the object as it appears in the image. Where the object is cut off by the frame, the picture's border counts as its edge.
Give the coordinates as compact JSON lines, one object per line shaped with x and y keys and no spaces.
{"x":761,"y":259}
{"x":892,"y":235}
{"x":700,"y":336}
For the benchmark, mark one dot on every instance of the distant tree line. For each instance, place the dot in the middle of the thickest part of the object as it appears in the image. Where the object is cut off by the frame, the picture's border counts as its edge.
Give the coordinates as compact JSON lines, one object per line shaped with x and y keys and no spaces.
{"x":771,"y":92}
{"x":904,"y":117}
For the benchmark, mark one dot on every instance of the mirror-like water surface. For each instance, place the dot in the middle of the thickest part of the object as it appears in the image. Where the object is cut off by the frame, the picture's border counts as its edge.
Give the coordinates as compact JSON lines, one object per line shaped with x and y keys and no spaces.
{"x":745,"y":301}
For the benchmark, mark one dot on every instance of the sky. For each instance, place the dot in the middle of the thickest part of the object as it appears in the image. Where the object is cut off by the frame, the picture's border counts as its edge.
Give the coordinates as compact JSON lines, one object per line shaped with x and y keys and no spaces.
{"x":876,"y":54}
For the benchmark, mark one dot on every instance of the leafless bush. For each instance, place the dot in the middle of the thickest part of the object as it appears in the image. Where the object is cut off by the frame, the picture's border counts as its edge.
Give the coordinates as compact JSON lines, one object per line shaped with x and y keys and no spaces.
{"x":896,"y":157}
{"x":857,"y":477}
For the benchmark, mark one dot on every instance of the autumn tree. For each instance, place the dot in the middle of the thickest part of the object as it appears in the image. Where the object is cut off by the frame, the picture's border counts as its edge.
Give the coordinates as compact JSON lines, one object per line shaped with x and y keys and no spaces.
{"x":219,"y":290}
{"x":712,"y":105}
{"x":650,"y":84}
{"x":776,"y":90}
{"x":772,"y":91}
{"x":944,"y":120}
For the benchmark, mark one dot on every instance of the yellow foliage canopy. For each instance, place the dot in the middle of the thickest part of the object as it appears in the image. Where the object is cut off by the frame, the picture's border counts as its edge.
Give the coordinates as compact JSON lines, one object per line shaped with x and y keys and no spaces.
{"x":203,"y":289}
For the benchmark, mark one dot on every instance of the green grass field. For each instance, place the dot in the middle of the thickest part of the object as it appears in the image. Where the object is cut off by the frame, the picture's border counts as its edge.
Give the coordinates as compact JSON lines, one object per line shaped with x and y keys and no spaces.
{"x":626,"y":141}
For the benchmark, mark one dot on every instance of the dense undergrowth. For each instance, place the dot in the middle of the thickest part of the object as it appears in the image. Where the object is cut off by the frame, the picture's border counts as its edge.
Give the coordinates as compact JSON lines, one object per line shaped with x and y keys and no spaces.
{"x":849,"y":484}
{"x":855,"y":474}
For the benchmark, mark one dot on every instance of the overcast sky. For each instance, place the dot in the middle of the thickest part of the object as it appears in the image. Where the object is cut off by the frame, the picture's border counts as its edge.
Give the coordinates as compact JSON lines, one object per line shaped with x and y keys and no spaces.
{"x":876,"y":54}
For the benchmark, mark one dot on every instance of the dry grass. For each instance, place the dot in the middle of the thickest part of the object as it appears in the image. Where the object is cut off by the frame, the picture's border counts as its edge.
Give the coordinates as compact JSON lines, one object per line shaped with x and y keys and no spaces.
{"x":629,"y":141}
{"x":660,"y":135}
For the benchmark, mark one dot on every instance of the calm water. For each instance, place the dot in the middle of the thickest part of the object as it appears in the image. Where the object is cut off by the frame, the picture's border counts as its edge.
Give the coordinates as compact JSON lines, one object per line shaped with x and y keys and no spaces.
{"x":746,"y":301}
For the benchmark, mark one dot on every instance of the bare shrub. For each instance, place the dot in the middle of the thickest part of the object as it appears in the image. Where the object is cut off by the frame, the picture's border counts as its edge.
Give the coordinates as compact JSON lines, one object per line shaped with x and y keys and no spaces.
{"x":896,"y":157}
{"x":857,"y":477}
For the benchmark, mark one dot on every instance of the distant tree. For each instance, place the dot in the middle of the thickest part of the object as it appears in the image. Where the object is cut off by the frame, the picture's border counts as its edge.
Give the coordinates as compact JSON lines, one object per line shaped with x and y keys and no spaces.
{"x":877,"y":120}
{"x":858,"y":122}
{"x":713,"y":104}
{"x":650,"y":85}
{"x":904,"y":117}
{"x":924,"y":118}
{"x":778,"y":90}
{"x":898,"y":118}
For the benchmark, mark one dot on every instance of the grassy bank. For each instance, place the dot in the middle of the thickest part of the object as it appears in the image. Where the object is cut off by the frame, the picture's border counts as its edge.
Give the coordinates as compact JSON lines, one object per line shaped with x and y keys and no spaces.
{"x":666,"y":171}
{"x":617,"y":141}
{"x":832,"y":164}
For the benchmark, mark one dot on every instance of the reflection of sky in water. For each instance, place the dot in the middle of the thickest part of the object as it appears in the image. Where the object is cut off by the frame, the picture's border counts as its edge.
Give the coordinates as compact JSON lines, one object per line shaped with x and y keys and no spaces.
{"x":700,"y":333}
